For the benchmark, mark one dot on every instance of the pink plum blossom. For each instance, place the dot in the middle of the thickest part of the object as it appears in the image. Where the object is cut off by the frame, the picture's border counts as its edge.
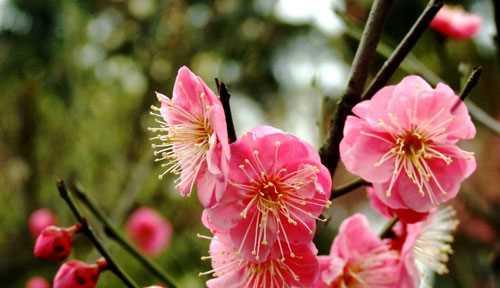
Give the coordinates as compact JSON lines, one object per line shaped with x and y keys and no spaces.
{"x":193,"y":141}
{"x":149,"y":231}
{"x":425,"y":246}
{"x":40,"y":219}
{"x":358,"y":258}
{"x":403,"y":215}
{"x":276,"y":190}
{"x":230,"y":269}
{"x":404,"y":141}
{"x":456,"y":23}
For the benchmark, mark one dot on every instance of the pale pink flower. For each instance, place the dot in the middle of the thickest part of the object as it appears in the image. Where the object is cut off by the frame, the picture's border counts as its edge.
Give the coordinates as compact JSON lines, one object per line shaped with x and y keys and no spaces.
{"x":403,"y":215}
{"x":149,"y":231}
{"x":404,"y":141}
{"x":37,"y":282}
{"x":426,"y":247}
{"x":276,"y":190}
{"x":40,"y":219}
{"x":358,"y":258}
{"x":192,"y":137}
{"x":230,"y":269}
{"x":454,"y":22}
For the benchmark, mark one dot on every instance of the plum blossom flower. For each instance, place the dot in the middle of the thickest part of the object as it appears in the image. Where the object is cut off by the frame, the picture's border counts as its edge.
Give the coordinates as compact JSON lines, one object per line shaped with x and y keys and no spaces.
{"x":79,"y":274}
{"x":404,"y":141}
{"x":276,"y":190}
{"x":40,"y":219}
{"x":232,"y":270}
{"x":456,"y":23}
{"x":149,"y":231}
{"x":55,"y":243}
{"x":358,"y":258}
{"x":37,"y":282}
{"x":403,"y":215}
{"x":192,"y":136}
{"x":426,"y":246}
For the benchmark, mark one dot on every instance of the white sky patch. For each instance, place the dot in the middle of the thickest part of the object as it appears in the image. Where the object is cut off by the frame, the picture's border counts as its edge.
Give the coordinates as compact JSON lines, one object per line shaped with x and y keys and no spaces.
{"x":320,"y":13}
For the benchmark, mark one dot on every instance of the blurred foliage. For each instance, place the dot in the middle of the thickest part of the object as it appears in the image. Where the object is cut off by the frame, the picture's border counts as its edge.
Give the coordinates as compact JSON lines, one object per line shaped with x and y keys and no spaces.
{"x":78,"y":78}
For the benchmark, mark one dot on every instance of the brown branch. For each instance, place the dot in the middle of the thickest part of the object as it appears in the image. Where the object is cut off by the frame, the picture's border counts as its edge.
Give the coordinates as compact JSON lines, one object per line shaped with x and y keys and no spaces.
{"x":469,"y":85}
{"x":399,"y":54}
{"x":112,"y":232}
{"x":330,"y":155}
{"x":224,"y":98}
{"x":89,"y":233}
{"x":345,"y":189}
{"x":387,"y":230}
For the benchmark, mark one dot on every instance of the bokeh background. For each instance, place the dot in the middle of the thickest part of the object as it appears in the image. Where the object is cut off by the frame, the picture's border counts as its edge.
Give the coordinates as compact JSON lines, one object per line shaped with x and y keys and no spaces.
{"x":77,"y":79}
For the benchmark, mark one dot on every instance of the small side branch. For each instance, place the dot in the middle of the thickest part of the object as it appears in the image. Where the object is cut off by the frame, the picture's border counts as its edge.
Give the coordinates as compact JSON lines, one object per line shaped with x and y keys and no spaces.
{"x":113,"y":233}
{"x":469,"y":85}
{"x":330,"y":155}
{"x":399,"y":54}
{"x":89,"y":233}
{"x":224,"y":98}
{"x":387,"y":230}
{"x":347,"y":188}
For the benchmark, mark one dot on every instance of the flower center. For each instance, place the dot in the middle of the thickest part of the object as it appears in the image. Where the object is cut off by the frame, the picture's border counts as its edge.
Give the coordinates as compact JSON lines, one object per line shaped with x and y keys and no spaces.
{"x":412,"y":143}
{"x":272,"y":199}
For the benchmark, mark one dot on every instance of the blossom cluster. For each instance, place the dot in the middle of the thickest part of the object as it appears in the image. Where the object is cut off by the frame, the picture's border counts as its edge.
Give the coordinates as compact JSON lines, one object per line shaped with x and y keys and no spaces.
{"x":263,"y":194}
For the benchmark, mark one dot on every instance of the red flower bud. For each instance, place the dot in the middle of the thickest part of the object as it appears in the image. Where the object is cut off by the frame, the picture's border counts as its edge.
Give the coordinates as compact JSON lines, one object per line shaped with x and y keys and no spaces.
{"x":77,"y":274}
{"x":55,"y":243}
{"x":37,"y":282}
{"x":39,"y":220}
{"x":149,"y":231}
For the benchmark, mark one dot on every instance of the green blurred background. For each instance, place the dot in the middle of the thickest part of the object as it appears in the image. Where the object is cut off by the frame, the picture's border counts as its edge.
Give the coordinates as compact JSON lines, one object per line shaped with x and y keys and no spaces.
{"x":77,"y":80}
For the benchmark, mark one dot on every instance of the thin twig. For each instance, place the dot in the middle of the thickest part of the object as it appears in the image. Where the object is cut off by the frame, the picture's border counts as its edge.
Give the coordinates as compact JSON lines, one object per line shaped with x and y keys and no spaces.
{"x":345,"y":189}
{"x":224,"y":98}
{"x":364,"y":55}
{"x":469,"y":85}
{"x":399,"y":54}
{"x":89,"y":233}
{"x":113,"y":233}
{"x":412,"y":65}
{"x":387,"y":230}
{"x":496,"y":5}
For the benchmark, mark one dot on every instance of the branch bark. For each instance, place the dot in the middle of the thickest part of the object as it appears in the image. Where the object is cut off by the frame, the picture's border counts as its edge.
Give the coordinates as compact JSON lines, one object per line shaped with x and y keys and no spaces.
{"x":347,"y":188}
{"x":399,"y":54}
{"x":329,"y":153}
{"x":113,"y":233}
{"x":87,"y":230}
{"x":224,"y":98}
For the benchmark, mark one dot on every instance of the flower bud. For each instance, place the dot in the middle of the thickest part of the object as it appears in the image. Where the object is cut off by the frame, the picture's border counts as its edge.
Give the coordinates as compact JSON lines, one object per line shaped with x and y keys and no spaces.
{"x":55,"y":243}
{"x":149,"y":231}
{"x":39,"y":220}
{"x":37,"y":282}
{"x":77,"y":274}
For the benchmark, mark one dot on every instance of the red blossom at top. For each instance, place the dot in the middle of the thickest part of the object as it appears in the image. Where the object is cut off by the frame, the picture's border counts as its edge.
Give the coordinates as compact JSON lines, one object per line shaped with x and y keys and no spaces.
{"x":149,"y":231}
{"x":193,"y":137}
{"x":404,"y":141}
{"x":276,"y":190}
{"x":456,"y":23}
{"x":40,"y":219}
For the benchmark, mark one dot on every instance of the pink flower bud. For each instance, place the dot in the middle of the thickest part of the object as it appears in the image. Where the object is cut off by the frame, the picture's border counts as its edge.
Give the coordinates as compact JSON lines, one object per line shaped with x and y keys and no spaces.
{"x":55,"y":243}
{"x":77,"y":274}
{"x":40,"y":219}
{"x":37,"y":282}
{"x":149,"y":231}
